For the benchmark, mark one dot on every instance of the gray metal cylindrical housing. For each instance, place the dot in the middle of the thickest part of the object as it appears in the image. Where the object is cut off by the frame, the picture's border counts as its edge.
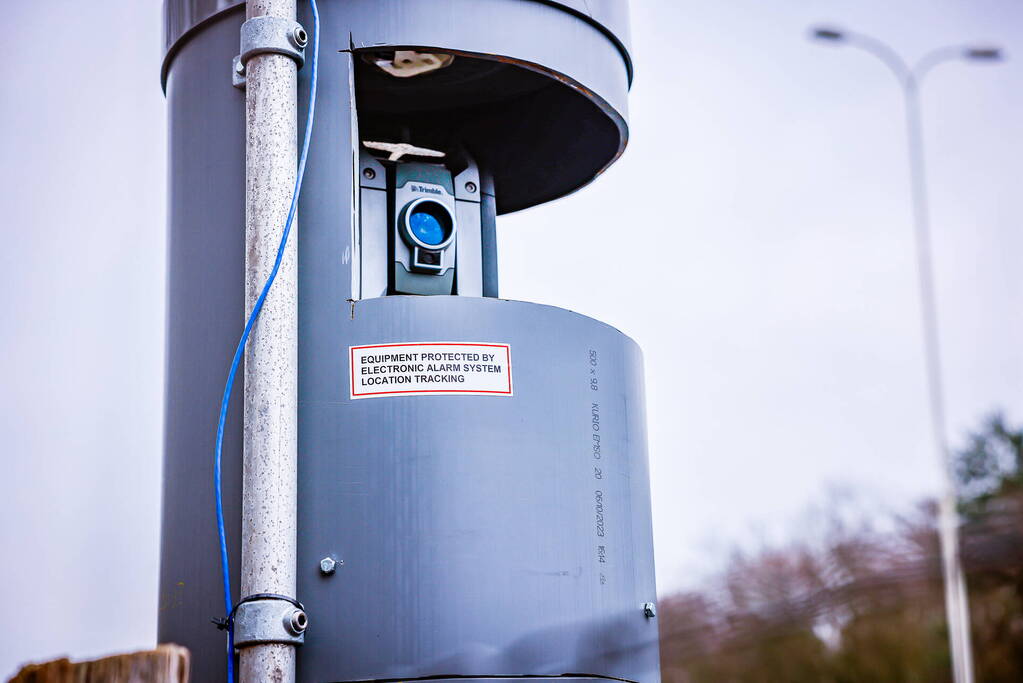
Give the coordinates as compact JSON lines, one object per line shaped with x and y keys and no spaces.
{"x":482,"y":535}
{"x":468,"y":525}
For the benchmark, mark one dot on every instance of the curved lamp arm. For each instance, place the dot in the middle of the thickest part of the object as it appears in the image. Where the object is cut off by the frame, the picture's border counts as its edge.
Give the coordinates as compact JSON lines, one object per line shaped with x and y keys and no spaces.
{"x":909,"y":78}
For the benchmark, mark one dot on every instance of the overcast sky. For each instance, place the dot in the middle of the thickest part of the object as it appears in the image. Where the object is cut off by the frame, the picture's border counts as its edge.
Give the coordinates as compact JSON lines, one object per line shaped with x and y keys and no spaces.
{"x":762,"y":243}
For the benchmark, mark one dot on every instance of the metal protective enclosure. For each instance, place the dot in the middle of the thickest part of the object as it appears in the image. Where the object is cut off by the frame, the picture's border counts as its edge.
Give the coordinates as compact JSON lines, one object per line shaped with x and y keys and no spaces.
{"x":469,"y":526}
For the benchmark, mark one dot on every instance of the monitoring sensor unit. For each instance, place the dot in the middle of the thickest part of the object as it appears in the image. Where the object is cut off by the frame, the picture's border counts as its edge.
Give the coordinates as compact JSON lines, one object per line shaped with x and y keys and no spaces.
{"x":424,"y":229}
{"x":422,"y":218}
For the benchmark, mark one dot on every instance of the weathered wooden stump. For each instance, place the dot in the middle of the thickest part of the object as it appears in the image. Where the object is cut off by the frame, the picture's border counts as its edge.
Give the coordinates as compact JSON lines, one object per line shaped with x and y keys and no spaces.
{"x":165,"y":664}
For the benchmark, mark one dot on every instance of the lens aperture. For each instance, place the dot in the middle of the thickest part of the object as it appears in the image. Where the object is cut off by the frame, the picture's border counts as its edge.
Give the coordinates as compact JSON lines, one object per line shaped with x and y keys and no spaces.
{"x":427,"y":224}
{"x":427,"y":228}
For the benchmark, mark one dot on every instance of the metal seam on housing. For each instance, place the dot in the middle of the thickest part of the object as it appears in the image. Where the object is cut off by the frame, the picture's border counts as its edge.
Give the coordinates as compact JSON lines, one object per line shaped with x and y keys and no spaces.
{"x":611,"y":35}
{"x":171,"y":48}
{"x":503,"y":677}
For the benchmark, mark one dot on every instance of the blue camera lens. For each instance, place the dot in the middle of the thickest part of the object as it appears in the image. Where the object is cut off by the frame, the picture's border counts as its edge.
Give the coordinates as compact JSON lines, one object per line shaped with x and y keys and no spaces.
{"x":427,"y":228}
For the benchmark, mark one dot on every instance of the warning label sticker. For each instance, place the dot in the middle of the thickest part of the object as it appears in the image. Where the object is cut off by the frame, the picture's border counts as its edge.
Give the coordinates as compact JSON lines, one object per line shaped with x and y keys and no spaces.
{"x":425,"y":368}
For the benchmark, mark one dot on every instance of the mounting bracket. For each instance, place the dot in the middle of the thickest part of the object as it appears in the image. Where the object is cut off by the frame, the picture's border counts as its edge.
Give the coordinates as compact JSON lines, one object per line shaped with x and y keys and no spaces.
{"x":269,"y":618}
{"x":261,"y":35}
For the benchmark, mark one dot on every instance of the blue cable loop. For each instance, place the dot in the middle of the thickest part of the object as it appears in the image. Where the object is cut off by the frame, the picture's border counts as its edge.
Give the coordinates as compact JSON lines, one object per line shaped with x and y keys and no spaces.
{"x":239,"y":351}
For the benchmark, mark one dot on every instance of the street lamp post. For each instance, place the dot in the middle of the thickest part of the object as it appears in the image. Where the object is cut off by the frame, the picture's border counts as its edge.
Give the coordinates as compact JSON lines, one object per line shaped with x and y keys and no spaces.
{"x":910,"y":78}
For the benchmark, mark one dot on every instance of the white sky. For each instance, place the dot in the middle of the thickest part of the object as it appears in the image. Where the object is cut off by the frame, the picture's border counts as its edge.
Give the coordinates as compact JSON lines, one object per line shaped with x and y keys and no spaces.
{"x":755,"y":240}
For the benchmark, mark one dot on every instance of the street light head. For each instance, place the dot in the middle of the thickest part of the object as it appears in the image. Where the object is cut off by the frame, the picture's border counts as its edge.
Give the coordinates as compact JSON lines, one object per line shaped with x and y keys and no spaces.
{"x":828,"y":33}
{"x":984,"y":54}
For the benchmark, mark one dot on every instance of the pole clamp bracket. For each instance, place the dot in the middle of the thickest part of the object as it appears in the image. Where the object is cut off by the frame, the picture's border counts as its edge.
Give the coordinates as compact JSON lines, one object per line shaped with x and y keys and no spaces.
{"x":262,"y":35}
{"x":268,"y":618}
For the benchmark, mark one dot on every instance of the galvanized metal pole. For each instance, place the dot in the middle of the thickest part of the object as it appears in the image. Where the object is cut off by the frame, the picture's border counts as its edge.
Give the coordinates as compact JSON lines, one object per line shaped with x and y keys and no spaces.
{"x":269,"y":510}
{"x":956,"y":599}
{"x":957,"y":609}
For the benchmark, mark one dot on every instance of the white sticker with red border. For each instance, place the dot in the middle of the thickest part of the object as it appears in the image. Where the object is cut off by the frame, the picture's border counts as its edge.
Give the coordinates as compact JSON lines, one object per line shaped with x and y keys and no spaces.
{"x":430,"y":369}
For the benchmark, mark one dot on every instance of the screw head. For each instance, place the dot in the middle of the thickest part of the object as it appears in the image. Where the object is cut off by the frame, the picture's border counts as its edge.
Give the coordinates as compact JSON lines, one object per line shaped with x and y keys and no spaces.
{"x":649,"y":610}
{"x":470,"y":187}
{"x":369,"y":173}
{"x":328,"y":565}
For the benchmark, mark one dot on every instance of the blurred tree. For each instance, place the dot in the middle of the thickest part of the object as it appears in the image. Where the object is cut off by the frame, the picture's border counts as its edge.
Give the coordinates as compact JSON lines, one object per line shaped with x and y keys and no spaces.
{"x":862,"y":605}
{"x":991,"y":466}
{"x":990,"y":477}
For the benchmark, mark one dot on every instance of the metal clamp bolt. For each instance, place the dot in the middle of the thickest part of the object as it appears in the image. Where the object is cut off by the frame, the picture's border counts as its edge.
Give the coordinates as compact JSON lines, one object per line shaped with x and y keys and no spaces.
{"x":296,"y":622}
{"x":267,"y":618}
{"x":274,"y":35}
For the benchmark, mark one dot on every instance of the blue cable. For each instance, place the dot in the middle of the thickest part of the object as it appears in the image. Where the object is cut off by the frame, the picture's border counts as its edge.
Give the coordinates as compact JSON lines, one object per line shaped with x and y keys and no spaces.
{"x":239,"y":351}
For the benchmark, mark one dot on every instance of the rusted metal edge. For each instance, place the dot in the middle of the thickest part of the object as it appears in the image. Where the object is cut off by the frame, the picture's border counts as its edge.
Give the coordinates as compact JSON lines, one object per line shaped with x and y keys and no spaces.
{"x":601,"y":104}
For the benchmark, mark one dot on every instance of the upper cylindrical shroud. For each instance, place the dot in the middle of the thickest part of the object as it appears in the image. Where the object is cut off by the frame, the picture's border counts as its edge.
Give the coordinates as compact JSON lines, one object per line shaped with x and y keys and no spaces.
{"x":551,"y":121}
